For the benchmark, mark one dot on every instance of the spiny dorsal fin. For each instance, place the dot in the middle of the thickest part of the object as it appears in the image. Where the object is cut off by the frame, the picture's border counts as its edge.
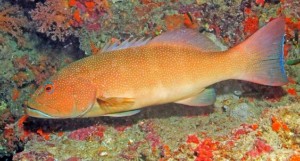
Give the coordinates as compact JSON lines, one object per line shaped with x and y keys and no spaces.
{"x":125,"y":44}
{"x":185,"y":36}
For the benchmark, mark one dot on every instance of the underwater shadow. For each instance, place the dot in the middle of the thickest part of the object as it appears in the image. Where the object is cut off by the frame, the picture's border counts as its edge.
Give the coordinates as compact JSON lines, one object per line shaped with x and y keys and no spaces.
{"x":248,"y":89}
{"x":153,"y":112}
{"x":174,"y":110}
{"x":263,"y":92}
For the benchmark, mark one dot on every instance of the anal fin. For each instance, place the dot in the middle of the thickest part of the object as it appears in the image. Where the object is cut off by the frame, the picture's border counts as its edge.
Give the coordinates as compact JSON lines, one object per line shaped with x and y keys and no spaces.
{"x":205,"y":98}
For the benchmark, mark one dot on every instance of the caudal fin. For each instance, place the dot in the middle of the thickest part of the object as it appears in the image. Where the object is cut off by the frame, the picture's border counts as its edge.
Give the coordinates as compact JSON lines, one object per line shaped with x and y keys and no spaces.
{"x":264,"y":54}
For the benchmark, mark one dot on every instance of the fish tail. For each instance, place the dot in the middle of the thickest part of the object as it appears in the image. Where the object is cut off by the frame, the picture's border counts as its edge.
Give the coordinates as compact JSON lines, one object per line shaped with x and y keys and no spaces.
{"x":263,"y":55}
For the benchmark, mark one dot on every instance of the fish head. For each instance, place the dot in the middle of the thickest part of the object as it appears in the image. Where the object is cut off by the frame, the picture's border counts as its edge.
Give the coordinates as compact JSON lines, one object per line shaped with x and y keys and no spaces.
{"x":62,"y":98}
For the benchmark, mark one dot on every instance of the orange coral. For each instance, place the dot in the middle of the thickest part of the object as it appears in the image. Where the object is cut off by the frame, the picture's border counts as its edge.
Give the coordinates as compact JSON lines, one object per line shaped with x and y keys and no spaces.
{"x":260,"y":2}
{"x":295,"y":158}
{"x":193,"y":139}
{"x":251,"y":25}
{"x":174,"y":21}
{"x":205,"y":149}
{"x":189,"y":21}
{"x":76,"y":15}
{"x":286,"y":49}
{"x":24,"y":133}
{"x":247,"y":10}
{"x":254,"y":126}
{"x":291,"y":26}
{"x":292,"y":91}
{"x":22,"y":120}
{"x":61,"y":133}
{"x":45,"y":135}
{"x":72,"y":2}
{"x":12,"y":23}
{"x":166,"y":151}
{"x":277,"y":125}
{"x":90,"y":5}
{"x":94,"y":48}
{"x":285,"y":127}
{"x":15,"y":94}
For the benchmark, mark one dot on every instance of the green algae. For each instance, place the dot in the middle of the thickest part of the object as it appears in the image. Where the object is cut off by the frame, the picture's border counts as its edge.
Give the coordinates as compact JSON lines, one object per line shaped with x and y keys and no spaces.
{"x":3,"y":107}
{"x":293,"y":62}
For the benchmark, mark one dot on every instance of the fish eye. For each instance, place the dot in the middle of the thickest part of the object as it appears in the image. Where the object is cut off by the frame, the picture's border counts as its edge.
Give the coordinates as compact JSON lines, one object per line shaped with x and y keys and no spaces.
{"x":49,"y":88}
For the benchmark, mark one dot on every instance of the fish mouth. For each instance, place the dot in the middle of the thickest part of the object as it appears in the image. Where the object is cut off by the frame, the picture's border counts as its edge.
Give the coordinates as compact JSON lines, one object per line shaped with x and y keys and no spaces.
{"x":36,"y":113}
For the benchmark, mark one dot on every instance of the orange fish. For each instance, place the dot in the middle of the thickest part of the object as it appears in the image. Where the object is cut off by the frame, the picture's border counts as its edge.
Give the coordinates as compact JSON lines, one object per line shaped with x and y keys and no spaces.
{"x":176,"y":66}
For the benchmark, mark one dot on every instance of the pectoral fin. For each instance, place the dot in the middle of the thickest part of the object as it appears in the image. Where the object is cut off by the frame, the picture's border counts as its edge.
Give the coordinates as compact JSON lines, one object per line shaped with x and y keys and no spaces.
{"x":205,"y":98}
{"x":112,"y":104}
{"x":123,"y":114}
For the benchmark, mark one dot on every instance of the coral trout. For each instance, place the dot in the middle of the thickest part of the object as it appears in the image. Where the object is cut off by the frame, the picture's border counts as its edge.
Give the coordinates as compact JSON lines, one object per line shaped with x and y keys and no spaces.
{"x":176,"y":66}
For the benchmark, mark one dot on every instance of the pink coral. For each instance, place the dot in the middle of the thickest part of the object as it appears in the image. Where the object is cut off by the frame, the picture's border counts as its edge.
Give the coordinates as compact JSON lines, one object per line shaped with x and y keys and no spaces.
{"x":33,"y":155}
{"x":151,"y":134}
{"x":243,"y":130}
{"x":53,"y":18}
{"x":259,"y":147}
{"x":85,"y":133}
{"x":260,"y":2}
{"x":60,"y":19}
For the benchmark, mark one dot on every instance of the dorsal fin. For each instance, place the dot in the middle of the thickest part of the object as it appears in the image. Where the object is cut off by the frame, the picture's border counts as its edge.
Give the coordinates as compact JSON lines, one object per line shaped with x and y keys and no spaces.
{"x":187,"y":36}
{"x":182,"y":36}
{"x":125,"y":44}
